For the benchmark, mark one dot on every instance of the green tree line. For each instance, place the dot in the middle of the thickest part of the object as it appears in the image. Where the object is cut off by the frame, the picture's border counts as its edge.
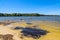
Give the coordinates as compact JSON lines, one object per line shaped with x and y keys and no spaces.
{"x":21,"y":14}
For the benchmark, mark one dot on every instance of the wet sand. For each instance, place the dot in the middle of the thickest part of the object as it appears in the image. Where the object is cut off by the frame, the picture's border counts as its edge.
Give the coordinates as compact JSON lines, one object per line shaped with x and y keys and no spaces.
{"x":52,"y":26}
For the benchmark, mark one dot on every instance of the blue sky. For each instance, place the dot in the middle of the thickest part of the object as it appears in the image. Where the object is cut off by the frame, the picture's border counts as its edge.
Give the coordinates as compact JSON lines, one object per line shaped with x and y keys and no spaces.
{"x":50,"y":7}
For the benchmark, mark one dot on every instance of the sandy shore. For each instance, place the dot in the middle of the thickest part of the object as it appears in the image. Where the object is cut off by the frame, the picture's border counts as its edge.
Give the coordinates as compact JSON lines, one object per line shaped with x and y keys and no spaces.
{"x":52,"y":26}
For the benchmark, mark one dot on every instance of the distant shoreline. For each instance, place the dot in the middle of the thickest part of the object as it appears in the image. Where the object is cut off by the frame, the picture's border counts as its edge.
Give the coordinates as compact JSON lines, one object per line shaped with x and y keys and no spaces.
{"x":23,"y":14}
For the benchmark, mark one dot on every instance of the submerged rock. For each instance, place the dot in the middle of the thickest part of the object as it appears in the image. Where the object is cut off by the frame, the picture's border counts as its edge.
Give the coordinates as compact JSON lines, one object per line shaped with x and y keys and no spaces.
{"x":33,"y":32}
{"x":6,"y":37}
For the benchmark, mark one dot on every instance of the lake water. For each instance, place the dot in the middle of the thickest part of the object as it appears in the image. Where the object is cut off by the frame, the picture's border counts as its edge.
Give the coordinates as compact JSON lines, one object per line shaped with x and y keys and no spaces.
{"x":48,"y":18}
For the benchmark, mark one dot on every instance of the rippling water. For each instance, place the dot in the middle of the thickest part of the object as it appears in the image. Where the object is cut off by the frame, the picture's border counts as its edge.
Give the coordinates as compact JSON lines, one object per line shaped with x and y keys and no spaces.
{"x":48,"y":18}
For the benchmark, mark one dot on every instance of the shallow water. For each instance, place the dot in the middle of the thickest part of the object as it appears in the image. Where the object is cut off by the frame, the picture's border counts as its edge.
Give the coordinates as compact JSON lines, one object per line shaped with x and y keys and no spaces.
{"x":48,"y":18}
{"x":53,"y":28}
